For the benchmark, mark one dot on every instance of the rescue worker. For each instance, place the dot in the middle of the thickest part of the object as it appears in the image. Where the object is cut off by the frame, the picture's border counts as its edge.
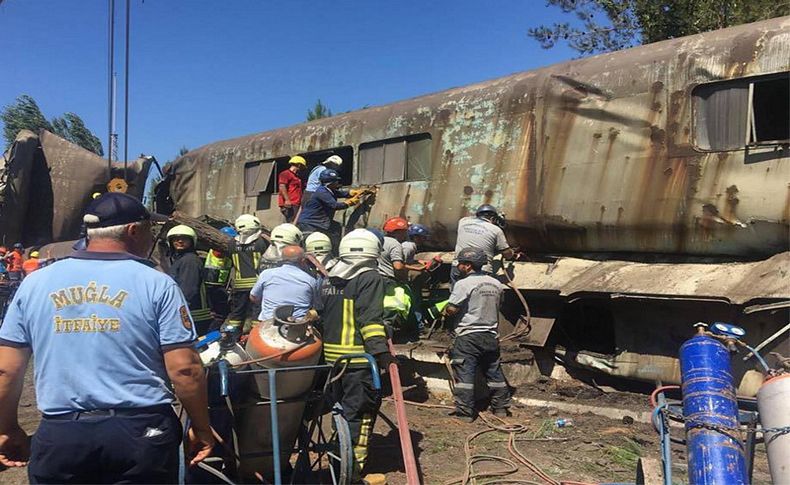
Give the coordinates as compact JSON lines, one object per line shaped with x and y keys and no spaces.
{"x":319,"y":212}
{"x":187,"y":270}
{"x":352,"y":323}
{"x":246,"y":250}
{"x":31,"y":263}
{"x":482,"y":232}
{"x":113,"y":345}
{"x":14,"y":261}
{"x":287,"y":284}
{"x":290,"y":188}
{"x":319,"y":246}
{"x":417,"y":234}
{"x":474,"y":302}
{"x":391,"y":260}
{"x":216,"y":275}
{"x":314,"y":179}
{"x":281,"y":236}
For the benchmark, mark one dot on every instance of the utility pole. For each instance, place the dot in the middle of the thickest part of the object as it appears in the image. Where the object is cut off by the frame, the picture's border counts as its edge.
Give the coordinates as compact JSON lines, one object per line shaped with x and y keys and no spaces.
{"x":126,"y":99}
{"x":111,"y":90}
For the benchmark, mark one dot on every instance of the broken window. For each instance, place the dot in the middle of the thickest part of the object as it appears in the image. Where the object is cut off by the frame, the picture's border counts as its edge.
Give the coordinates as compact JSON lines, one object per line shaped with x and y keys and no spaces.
{"x":345,"y":170}
{"x":395,"y":160}
{"x":730,"y":115}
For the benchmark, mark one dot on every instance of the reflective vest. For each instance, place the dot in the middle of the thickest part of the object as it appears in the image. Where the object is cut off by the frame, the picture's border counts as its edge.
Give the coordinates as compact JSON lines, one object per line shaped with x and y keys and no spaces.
{"x":397,"y":301}
{"x":245,"y":258}
{"x":217,"y":269}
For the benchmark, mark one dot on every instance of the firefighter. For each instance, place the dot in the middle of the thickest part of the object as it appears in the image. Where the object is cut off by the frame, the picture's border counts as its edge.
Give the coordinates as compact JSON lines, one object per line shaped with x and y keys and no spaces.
{"x":319,"y":246}
{"x":352,"y":322}
{"x":319,"y":212}
{"x":187,"y":270}
{"x":482,"y":231}
{"x":474,"y":303}
{"x":216,"y":275}
{"x":314,"y":179}
{"x":246,"y":250}
{"x":290,"y":188}
{"x":281,"y":236}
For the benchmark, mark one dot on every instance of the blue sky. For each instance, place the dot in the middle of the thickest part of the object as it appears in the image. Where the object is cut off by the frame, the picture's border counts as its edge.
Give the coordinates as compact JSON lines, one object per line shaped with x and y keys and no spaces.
{"x":203,"y":71}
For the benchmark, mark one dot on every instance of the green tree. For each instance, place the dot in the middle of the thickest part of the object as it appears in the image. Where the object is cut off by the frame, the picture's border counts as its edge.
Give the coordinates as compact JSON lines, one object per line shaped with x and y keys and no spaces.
{"x":320,"y":110}
{"x":71,"y":127}
{"x":609,"y":25}
{"x":23,"y":114}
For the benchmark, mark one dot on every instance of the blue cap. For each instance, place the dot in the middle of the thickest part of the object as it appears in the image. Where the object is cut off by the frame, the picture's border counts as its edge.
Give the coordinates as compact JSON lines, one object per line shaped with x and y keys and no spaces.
{"x":116,"y":209}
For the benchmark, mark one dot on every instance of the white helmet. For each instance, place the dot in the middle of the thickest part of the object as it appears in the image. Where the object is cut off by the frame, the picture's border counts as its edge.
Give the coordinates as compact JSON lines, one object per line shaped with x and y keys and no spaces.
{"x":360,"y":244}
{"x":334,"y":159}
{"x":247,"y":223}
{"x":318,"y":242}
{"x":287,"y":233}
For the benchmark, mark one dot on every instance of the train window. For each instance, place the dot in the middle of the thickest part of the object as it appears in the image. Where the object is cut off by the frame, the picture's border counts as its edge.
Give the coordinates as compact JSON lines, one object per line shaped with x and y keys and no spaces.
{"x":258,"y":177}
{"x":395,"y":160}
{"x":732,"y":114}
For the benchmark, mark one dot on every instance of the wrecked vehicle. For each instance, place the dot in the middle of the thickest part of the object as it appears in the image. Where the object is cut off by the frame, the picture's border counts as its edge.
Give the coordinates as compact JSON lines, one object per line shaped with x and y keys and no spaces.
{"x":649,"y":187}
{"x":46,"y":183}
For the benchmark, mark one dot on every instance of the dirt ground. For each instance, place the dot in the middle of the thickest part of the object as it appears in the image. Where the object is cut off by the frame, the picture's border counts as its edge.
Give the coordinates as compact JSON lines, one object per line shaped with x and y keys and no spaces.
{"x":594,"y":450}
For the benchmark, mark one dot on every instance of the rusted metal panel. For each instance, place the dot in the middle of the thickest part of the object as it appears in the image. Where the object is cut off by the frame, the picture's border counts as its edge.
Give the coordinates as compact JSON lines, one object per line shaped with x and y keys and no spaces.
{"x":592,"y":155}
{"x":49,"y":184}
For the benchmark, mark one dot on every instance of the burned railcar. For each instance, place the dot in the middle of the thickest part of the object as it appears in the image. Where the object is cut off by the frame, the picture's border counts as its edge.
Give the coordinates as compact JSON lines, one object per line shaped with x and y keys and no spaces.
{"x":674,"y":152}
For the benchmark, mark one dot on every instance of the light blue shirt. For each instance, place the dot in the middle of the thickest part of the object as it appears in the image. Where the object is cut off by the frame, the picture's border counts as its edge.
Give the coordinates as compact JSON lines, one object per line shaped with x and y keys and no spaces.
{"x":98,"y":324}
{"x":286,"y":285}
{"x":314,"y":180}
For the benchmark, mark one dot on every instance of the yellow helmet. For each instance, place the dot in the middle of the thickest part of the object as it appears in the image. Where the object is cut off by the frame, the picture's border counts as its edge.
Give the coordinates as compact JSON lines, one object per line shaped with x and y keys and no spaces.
{"x":33,"y":254}
{"x":297,"y":160}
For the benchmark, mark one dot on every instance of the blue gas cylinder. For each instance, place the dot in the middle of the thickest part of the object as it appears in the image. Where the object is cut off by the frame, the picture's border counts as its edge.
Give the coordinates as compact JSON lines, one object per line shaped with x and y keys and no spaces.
{"x":715,"y":456}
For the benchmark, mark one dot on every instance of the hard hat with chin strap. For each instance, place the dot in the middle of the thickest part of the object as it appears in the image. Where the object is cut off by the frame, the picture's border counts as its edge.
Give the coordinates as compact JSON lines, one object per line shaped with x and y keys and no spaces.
{"x":287,"y":233}
{"x":418,"y":230}
{"x":184,"y":231}
{"x":329,"y":176}
{"x":318,"y":242}
{"x":247,"y":222}
{"x":360,"y":244}
{"x":229,"y":231}
{"x":395,"y":224}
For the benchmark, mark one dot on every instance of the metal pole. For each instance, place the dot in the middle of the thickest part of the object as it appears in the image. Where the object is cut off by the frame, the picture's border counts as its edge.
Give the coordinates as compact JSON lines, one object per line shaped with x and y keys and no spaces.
{"x":406,"y":446}
{"x":110,"y":89}
{"x":278,"y":479}
{"x":126,"y":98}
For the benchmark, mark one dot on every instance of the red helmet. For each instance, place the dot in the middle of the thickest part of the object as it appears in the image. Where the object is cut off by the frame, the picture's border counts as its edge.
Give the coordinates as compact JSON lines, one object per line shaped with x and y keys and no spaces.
{"x":395,"y":224}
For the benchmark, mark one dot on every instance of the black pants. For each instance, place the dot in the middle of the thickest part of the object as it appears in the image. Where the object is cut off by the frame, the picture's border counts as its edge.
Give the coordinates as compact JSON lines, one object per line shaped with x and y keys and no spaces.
{"x":106,"y":449}
{"x":218,"y":301}
{"x":470,"y":352}
{"x":360,"y":401}
{"x":288,"y":213}
{"x":240,"y":306}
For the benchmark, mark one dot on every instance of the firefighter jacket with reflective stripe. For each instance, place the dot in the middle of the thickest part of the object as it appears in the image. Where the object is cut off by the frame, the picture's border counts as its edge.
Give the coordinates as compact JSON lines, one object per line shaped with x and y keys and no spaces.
{"x":217,"y":269}
{"x":352,"y":316}
{"x":186,"y":269}
{"x":245,"y":258}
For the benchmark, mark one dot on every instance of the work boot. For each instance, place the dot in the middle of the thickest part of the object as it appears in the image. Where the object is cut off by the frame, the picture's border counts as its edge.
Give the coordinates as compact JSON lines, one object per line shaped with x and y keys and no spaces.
{"x":462,"y":416}
{"x":502,"y":413}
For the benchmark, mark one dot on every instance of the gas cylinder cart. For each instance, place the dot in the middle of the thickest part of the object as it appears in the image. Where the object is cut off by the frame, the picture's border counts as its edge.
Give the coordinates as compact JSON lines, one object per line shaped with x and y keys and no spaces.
{"x":272,"y":409}
{"x":721,"y":429}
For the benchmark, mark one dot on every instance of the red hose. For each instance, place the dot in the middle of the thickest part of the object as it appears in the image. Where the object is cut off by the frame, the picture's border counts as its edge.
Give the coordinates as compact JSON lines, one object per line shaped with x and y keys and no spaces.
{"x":409,"y":460}
{"x":653,"y":394}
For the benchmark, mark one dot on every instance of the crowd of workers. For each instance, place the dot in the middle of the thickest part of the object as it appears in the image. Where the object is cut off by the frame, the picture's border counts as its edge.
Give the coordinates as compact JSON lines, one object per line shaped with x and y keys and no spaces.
{"x":105,"y":304}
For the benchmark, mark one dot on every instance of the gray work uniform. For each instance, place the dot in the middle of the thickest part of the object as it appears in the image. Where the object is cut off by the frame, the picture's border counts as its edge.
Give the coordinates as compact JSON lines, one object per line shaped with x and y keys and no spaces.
{"x":474,"y":232}
{"x":476,"y":344}
{"x":409,"y":251}
{"x":391,"y":251}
